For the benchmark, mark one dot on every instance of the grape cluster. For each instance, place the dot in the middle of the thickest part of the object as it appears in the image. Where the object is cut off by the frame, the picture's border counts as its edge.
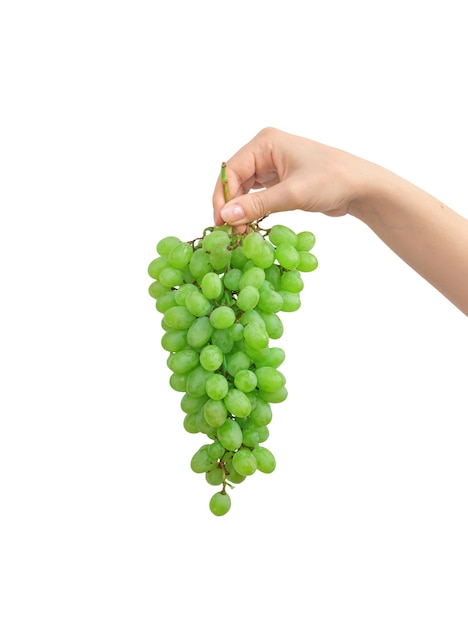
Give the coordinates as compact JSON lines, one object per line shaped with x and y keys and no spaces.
{"x":220,"y":296}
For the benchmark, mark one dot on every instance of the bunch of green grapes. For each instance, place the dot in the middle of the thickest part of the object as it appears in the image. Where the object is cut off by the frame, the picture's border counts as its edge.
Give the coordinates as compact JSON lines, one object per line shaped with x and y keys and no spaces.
{"x":220,"y":297}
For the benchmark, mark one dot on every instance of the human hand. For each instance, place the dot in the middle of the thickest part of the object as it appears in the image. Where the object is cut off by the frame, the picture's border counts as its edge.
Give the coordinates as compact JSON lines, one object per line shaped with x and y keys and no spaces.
{"x":293,"y":173}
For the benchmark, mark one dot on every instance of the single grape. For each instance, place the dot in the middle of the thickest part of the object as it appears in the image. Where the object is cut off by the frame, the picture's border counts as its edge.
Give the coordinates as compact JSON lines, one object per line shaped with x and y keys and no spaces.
{"x":211,"y":285}
{"x":156,"y":289}
{"x":216,"y":386}
{"x":220,"y":503}
{"x":282,"y":234}
{"x":215,"y":476}
{"x":222,"y":317}
{"x":230,"y":435}
{"x":244,"y":462}
{"x":165,"y":245}
{"x":248,"y":298}
{"x":211,"y":357}
{"x":305,"y":241}
{"x":215,"y":412}
{"x":199,"y":332}
{"x":180,"y":255}
{"x":201,"y":461}
{"x":266,"y":462}
{"x":174,"y":340}
{"x":157,"y":265}
{"x":178,"y":317}
{"x":198,"y":304}
{"x":287,"y":256}
{"x":237,"y":403}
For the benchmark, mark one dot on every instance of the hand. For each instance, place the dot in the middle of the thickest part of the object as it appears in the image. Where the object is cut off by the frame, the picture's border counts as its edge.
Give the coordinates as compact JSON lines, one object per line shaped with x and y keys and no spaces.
{"x":293,"y":173}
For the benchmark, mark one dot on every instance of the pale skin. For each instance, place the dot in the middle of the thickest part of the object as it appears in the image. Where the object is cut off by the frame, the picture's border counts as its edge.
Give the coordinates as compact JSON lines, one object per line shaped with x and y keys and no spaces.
{"x":292,"y":172}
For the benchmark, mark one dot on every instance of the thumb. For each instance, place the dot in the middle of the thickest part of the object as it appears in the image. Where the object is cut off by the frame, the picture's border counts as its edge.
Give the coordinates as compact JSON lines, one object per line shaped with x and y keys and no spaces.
{"x":253,"y":206}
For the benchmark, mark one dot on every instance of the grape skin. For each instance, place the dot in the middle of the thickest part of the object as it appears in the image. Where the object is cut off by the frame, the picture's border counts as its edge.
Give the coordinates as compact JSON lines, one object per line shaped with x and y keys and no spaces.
{"x":221,"y":298}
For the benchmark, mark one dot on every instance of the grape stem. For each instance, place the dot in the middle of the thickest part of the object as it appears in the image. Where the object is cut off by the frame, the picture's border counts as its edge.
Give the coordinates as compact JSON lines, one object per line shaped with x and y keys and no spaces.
{"x":224,"y":180}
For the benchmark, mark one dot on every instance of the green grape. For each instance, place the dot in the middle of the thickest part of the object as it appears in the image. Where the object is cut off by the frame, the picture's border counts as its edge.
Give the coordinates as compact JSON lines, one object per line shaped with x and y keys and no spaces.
{"x":211,"y":357}
{"x":274,"y":358}
{"x":254,"y":276}
{"x":197,"y":380}
{"x":231,"y":279}
{"x":269,"y":378}
{"x":236,"y":332}
{"x":262,"y":414}
{"x":201,"y":461}
{"x":174,"y":340}
{"x":230,"y":435}
{"x":199,"y":332}
{"x":183,"y":291}
{"x":287,"y":256}
{"x":166,"y":301}
{"x":157,"y":265}
{"x":191,"y":404}
{"x":248,"y":298}
{"x":171,"y":277}
{"x":307,"y":262}
{"x":273,"y":325}
{"x":220,"y":257}
{"x":200,"y":264}
{"x":222,"y":317}
{"x":238,"y":258}
{"x":277,"y":396}
{"x":220,"y":503}
{"x":291,"y":301}
{"x":273,"y":276}
{"x":178,"y":382}
{"x":165,"y":245}
{"x":221,"y":298}
{"x":215,"y":412}
{"x":266,"y":462}
{"x":237,"y":403}
{"x":305,"y":241}
{"x":270,"y":300}
{"x":223,"y":340}
{"x":256,"y":335}
{"x":215,"y":476}
{"x":214,"y":239}
{"x":250,"y":437}
{"x":178,"y":317}
{"x":253,"y":244}
{"x":180,"y":255}
{"x":238,"y":361}
{"x":282,"y":234}
{"x":252,"y":316}
{"x":156,"y":289}
{"x":198,"y":304}
{"x":244,"y":462}
{"x":292,"y":281}
{"x":211,"y":285}
{"x":183,"y":361}
{"x":245,"y":380}
{"x":233,"y":476}
{"x":190,"y":423}
{"x":216,"y":450}
{"x":265,"y":256}
{"x":203,"y":425}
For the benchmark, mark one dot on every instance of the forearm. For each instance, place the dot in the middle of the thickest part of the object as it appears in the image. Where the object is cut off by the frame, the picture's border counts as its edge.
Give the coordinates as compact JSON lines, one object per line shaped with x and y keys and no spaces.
{"x":420,"y":229}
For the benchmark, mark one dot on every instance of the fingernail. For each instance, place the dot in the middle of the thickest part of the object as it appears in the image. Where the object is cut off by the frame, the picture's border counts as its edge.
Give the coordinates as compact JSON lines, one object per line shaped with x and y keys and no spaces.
{"x":232,"y":213}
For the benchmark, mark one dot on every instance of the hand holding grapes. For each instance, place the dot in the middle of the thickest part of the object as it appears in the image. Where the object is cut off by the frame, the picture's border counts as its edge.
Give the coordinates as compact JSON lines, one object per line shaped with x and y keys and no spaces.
{"x":297,"y":173}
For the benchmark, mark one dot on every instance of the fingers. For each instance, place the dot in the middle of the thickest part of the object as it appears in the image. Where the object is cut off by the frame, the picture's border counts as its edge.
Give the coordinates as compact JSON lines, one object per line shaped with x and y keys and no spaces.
{"x":253,"y":206}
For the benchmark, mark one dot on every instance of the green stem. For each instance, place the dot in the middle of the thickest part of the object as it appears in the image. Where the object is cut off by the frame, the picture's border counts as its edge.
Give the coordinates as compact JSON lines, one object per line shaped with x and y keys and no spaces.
{"x":224,"y":180}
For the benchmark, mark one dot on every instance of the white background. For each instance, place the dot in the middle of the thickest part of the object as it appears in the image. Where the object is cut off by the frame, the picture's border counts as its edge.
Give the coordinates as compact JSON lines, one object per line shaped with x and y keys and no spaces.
{"x":115,"y":118}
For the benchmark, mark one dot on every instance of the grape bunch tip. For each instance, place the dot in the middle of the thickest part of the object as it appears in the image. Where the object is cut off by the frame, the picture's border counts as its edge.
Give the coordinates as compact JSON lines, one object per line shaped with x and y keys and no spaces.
{"x":220,"y":297}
